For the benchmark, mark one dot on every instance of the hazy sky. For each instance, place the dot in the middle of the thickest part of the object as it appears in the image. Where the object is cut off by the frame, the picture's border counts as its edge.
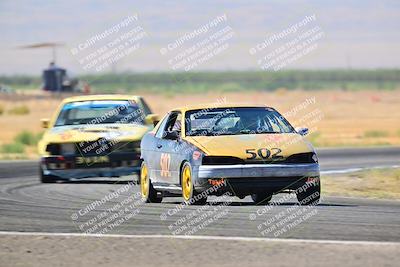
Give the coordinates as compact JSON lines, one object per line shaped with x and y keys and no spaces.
{"x":357,"y":34}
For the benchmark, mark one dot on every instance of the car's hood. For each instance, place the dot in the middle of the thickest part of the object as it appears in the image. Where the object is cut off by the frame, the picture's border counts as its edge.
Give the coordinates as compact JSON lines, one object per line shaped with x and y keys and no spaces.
{"x":79,"y":133}
{"x":236,"y":145}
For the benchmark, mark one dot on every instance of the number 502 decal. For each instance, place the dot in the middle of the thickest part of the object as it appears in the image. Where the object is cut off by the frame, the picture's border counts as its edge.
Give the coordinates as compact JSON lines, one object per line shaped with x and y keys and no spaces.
{"x":264,"y":153}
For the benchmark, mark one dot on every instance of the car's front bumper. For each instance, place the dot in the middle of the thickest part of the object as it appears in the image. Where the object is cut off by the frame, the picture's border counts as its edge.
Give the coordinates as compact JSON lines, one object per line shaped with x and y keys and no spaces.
{"x":68,"y":167}
{"x":253,"y":178}
{"x":95,"y":172}
{"x":258,"y":170}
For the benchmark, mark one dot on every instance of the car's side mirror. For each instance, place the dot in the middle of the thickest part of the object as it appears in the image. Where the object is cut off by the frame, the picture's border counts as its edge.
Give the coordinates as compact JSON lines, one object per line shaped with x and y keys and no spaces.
{"x":45,"y":123}
{"x":152,"y":119}
{"x":302,"y":130}
{"x":171,"y":135}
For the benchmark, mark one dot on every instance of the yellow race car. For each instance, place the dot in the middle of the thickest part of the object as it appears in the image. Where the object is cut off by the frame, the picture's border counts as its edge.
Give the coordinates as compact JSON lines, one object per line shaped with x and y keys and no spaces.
{"x":244,"y":150}
{"x":94,"y":136}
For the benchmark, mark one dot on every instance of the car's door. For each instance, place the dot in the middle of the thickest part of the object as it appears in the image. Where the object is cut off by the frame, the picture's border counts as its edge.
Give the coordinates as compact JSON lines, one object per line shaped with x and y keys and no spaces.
{"x":153,"y":152}
{"x":168,"y":152}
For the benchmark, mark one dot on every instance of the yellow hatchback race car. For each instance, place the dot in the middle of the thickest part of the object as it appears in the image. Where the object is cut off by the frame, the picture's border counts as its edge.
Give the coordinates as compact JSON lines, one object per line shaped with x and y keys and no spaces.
{"x":244,"y":150}
{"x":94,"y":136}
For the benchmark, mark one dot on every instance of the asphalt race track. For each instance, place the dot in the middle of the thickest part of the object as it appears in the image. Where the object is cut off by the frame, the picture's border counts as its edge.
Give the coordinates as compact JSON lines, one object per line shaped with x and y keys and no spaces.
{"x":26,"y":205}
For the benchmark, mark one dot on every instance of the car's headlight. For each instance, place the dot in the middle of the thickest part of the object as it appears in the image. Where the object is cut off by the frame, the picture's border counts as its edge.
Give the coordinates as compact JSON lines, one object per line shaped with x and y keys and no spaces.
{"x":315,"y":158}
{"x":308,"y":157}
{"x":53,"y":149}
{"x":68,"y":148}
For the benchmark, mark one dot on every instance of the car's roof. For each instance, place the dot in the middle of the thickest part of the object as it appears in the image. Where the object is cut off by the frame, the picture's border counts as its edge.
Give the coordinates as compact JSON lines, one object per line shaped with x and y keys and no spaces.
{"x":100,"y":97}
{"x":214,"y":105}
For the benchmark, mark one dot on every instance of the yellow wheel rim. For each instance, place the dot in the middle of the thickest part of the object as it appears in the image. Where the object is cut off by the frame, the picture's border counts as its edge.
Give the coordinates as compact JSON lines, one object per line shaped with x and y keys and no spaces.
{"x":144,"y":181}
{"x":186,"y":183}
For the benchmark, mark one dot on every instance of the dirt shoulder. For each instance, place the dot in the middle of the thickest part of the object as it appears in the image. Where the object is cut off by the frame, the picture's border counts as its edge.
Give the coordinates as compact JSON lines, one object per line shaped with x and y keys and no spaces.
{"x":375,"y":183}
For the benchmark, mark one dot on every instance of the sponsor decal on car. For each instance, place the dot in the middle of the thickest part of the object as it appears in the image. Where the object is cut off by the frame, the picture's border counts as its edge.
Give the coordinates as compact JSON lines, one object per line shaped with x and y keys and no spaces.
{"x":196,"y":155}
{"x":165,"y":162}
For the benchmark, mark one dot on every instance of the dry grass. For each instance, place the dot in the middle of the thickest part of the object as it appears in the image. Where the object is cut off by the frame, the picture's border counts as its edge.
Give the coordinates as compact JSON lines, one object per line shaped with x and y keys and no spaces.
{"x":19,"y":110}
{"x":377,"y":183}
{"x":349,"y":118}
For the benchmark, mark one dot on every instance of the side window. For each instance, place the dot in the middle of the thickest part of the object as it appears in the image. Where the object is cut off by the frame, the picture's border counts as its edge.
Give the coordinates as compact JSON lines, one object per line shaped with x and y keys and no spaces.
{"x":174,"y":122}
{"x":146,"y":107}
{"x":169,"y":124}
{"x":177,"y":125}
{"x":160,"y":130}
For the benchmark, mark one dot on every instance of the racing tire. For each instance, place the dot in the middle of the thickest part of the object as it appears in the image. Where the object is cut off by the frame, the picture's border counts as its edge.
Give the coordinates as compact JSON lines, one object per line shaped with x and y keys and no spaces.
{"x":311,"y":195}
{"x":261,"y":198}
{"x":190,"y":196}
{"x":148,"y":193}
{"x":46,"y":179}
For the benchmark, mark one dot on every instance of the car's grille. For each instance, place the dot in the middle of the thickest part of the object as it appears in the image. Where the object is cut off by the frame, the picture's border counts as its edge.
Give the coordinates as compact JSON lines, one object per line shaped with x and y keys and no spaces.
{"x":99,"y":147}
{"x":133,"y":146}
{"x":220,"y":160}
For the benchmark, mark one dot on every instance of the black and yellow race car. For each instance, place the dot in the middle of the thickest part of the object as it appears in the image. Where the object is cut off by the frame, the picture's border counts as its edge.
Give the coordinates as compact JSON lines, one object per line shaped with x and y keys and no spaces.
{"x":94,"y":136}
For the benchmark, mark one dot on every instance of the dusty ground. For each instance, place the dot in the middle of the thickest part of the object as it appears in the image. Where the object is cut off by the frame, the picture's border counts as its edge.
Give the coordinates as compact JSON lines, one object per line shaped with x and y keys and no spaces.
{"x":32,"y":251}
{"x":336,"y":118}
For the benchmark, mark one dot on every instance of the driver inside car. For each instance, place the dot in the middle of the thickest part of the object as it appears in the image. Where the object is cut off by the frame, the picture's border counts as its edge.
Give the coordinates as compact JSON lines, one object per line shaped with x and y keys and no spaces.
{"x":249,"y":123}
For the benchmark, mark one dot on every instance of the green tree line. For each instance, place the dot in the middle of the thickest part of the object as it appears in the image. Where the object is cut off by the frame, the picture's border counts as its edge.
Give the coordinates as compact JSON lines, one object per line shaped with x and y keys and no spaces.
{"x":386,"y":79}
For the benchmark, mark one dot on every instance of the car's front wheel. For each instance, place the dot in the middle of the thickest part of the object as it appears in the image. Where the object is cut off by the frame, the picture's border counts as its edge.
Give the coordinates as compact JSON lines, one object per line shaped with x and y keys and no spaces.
{"x":190,"y":196}
{"x":46,"y":179}
{"x":262,"y":198}
{"x":309,"y":194}
{"x":149,"y":194}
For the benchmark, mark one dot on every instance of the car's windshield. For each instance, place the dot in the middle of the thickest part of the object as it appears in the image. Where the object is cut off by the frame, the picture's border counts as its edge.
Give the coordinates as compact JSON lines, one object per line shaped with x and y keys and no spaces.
{"x":99,"y":112}
{"x":233,"y":121}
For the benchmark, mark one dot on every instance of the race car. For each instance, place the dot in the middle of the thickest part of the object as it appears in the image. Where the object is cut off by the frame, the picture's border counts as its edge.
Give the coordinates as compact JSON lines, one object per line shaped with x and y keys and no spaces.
{"x":94,"y":136}
{"x":244,"y":150}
